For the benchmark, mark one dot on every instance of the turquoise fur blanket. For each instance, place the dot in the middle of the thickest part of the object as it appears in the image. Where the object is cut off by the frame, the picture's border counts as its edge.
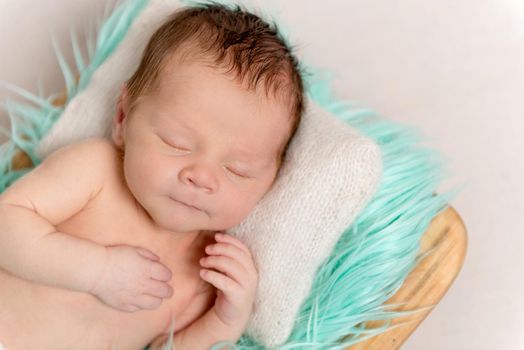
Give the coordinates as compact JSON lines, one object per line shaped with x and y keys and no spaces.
{"x":373,"y":256}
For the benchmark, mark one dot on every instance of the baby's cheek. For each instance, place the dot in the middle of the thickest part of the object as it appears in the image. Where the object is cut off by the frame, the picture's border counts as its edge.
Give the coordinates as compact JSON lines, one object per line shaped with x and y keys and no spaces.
{"x":234,"y":213}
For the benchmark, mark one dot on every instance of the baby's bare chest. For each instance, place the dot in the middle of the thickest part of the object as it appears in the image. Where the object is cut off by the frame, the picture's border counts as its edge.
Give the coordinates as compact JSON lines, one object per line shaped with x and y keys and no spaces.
{"x":113,"y":217}
{"x":110,"y":218}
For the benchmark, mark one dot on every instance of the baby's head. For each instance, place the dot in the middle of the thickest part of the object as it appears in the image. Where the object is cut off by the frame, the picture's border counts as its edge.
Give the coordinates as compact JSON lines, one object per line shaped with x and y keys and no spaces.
{"x":205,"y":121}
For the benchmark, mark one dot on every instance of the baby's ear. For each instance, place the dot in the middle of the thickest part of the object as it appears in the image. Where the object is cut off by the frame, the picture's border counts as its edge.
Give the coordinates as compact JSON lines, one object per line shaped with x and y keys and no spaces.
{"x":119,"y":118}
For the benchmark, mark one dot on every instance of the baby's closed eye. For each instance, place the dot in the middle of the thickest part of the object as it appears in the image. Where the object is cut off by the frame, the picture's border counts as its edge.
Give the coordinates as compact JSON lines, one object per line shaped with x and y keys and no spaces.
{"x":238,"y":172}
{"x":176,"y":145}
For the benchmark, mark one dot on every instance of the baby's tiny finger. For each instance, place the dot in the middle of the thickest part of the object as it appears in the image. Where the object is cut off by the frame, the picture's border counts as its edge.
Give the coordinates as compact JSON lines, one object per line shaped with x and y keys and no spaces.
{"x":129,"y":308}
{"x":160,"y":272}
{"x":232,"y":251}
{"x":159,"y":289}
{"x":226,"y":265}
{"x":147,"y":254}
{"x":220,"y":281}
{"x":148,"y":302}
{"x":224,"y":237}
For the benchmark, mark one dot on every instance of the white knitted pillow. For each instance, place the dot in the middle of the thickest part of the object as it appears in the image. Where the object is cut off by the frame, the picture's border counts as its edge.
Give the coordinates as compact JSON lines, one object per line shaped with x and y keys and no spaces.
{"x":329,"y":175}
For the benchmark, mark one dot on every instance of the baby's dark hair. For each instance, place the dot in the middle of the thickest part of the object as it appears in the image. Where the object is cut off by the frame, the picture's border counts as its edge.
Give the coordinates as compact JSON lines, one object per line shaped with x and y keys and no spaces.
{"x":231,"y":38}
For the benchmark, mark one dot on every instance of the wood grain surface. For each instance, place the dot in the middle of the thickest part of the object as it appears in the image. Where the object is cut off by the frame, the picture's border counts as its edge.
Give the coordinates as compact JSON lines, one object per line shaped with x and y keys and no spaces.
{"x":446,"y":242}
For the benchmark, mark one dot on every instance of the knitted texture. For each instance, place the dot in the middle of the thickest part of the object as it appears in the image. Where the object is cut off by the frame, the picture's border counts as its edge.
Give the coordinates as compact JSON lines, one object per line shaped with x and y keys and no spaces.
{"x":329,"y":175}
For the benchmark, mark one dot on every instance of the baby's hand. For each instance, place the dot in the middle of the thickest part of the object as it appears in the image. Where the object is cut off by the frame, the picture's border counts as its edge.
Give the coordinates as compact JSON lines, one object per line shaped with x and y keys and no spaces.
{"x":132,"y":279}
{"x":236,"y":279}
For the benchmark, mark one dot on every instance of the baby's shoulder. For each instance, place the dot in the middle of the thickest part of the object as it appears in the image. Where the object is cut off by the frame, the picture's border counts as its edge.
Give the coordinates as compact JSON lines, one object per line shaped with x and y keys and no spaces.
{"x":97,"y":153}
{"x":65,"y":181}
{"x":95,"y":158}
{"x":86,"y":149}
{"x":96,"y":146}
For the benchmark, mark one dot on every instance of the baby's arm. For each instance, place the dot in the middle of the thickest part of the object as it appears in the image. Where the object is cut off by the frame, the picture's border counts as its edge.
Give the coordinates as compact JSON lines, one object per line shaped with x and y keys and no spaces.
{"x":205,"y":332}
{"x":31,"y":247}
{"x":236,"y":280}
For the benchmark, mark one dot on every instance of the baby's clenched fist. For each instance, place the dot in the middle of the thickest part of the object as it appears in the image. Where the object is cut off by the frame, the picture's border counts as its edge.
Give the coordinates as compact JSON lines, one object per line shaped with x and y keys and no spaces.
{"x":131,"y":279}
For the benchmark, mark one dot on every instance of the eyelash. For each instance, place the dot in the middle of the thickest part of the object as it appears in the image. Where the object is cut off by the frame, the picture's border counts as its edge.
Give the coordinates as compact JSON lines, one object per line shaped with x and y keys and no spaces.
{"x":237,"y":174}
{"x":178,"y":148}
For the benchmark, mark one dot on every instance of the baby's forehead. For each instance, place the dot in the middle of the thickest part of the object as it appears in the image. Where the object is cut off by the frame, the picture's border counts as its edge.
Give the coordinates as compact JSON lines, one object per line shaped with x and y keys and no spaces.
{"x":189,"y":61}
{"x":199,"y":83}
{"x":196,"y":89}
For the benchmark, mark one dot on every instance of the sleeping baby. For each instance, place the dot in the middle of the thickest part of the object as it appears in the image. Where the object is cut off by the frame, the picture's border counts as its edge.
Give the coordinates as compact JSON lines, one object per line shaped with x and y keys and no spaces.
{"x":105,"y":243}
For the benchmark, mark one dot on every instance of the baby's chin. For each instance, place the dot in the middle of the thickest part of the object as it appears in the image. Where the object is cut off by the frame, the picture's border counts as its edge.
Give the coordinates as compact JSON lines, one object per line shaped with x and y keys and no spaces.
{"x":184,"y":221}
{"x":188,"y":227}
{"x":182,"y":224}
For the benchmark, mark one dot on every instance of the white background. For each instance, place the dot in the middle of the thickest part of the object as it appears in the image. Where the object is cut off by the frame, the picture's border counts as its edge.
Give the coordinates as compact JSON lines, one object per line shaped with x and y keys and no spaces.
{"x":452,"y":69}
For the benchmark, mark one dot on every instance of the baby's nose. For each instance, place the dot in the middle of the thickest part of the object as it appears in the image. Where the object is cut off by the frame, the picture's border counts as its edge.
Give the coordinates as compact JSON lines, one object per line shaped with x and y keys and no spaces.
{"x":200,"y":177}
